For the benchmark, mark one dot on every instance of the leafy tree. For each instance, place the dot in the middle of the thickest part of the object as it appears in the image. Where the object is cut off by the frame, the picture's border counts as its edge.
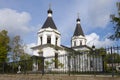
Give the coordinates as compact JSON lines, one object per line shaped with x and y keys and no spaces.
{"x":47,"y":64}
{"x":116,"y":34}
{"x":25,"y":56}
{"x":113,"y":58}
{"x":108,"y":58}
{"x":116,"y":21}
{"x":57,"y":62}
{"x":4,"y":45}
{"x":18,"y":54}
{"x":101,"y":51}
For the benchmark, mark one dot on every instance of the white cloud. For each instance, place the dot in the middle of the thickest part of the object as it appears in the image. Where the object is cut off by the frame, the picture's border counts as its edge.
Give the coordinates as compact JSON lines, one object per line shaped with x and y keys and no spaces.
{"x":93,"y":14}
{"x":13,"y":21}
{"x":93,"y":38}
{"x":28,"y":49}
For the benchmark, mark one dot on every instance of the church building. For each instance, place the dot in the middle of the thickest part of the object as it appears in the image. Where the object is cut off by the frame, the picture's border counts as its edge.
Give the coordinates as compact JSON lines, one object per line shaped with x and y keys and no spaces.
{"x":49,"y":39}
{"x":49,"y":44}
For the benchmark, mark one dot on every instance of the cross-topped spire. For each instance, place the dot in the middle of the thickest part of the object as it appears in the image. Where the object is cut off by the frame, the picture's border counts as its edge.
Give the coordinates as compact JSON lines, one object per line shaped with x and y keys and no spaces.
{"x":78,"y":19}
{"x":78,"y":14}
{"x":49,"y":11}
{"x":78,"y":30}
{"x":49,"y":21}
{"x":49,"y":5}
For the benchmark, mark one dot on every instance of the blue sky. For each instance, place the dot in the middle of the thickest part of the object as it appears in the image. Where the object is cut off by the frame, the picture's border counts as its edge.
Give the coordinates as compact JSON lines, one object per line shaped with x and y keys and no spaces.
{"x":25,"y":18}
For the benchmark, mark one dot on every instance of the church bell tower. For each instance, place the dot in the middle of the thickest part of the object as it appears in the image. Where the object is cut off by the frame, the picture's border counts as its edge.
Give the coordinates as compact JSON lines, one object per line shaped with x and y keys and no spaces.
{"x":49,"y":34}
{"x":78,"y":38}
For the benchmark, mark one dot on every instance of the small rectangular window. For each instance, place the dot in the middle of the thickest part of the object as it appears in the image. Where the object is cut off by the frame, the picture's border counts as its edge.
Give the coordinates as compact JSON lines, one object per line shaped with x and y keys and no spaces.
{"x":56,"y":41}
{"x":74,"y":43}
{"x":49,"y":39}
{"x":80,"y":42}
{"x":41,"y":40}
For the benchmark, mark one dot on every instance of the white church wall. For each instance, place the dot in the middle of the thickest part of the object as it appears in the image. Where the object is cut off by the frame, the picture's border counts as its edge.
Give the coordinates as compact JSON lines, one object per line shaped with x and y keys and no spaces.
{"x":49,"y":32}
{"x":82,"y":49}
{"x":52,"y":38}
{"x":35,"y":52}
{"x":47,"y":52}
{"x":78,"y":40}
{"x":62,"y":58}
{"x":39,"y":40}
{"x":59,"y":41}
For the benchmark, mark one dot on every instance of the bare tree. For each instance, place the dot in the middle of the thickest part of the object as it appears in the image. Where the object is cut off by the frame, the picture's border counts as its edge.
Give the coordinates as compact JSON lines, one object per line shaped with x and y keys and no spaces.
{"x":17,"y":48}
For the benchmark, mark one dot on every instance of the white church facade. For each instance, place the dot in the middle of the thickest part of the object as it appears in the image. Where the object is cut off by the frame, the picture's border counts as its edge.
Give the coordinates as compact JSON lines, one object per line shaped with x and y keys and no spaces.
{"x":49,"y":44}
